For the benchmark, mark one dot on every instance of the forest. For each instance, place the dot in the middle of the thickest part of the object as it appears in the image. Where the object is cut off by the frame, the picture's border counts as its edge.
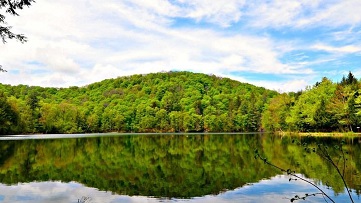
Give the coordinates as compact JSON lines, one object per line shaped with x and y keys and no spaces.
{"x":179,"y":102}
{"x":159,"y":102}
{"x":324,"y":107}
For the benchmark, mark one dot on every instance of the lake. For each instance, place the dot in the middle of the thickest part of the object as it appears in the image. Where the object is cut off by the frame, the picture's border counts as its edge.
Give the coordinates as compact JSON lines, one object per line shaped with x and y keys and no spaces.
{"x":194,"y":168}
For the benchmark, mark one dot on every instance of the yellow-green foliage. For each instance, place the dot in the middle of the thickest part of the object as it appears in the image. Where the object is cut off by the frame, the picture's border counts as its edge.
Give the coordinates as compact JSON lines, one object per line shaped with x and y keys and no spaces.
{"x":159,"y":102}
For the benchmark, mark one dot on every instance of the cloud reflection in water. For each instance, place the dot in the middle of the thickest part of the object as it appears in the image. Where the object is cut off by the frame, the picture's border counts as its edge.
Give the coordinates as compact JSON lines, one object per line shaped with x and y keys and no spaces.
{"x":277,"y":189}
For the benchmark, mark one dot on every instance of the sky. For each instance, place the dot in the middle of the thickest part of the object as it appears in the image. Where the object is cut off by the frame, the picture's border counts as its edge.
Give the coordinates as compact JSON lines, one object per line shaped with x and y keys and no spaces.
{"x":283,"y":45}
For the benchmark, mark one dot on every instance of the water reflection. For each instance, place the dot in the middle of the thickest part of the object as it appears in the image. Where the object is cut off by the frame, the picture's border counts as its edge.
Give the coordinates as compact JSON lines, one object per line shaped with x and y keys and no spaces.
{"x":170,"y":167}
{"x":274,"y":190}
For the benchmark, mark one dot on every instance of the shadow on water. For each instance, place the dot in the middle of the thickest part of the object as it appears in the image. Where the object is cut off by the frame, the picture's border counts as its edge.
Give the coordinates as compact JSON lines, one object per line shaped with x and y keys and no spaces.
{"x":168,"y":166}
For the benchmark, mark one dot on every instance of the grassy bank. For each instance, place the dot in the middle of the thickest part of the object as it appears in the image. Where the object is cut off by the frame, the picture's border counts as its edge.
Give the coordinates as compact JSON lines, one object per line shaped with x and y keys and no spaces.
{"x":322,"y":134}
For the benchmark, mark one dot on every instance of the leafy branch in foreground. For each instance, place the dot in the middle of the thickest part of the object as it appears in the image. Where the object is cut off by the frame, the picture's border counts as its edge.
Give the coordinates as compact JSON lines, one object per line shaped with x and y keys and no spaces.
{"x":84,"y":199}
{"x":2,"y":70}
{"x":322,"y":151}
{"x":11,"y":7}
{"x":296,"y":197}
{"x":293,"y":173}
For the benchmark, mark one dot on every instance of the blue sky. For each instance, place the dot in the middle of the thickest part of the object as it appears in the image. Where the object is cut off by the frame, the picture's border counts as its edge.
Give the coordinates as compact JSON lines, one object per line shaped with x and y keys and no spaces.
{"x":283,"y":45}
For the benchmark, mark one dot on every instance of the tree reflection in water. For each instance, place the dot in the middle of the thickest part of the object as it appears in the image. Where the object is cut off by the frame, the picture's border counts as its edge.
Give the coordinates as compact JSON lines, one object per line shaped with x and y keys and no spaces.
{"x":168,"y":166}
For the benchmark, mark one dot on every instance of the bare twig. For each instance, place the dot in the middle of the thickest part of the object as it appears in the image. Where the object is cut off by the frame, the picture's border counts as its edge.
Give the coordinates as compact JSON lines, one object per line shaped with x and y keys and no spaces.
{"x":293,"y":173}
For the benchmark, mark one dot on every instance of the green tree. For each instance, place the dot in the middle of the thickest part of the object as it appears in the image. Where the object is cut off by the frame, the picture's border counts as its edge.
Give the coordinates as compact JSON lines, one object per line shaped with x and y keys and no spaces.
{"x":25,"y":117}
{"x":349,"y":80}
{"x":162,"y":120}
{"x":274,"y":117}
{"x":93,"y":123}
{"x":303,"y":115}
{"x":8,"y":116}
{"x":341,"y":106}
{"x":32,"y":101}
{"x":176,"y":121}
{"x":192,"y":122}
{"x":48,"y":119}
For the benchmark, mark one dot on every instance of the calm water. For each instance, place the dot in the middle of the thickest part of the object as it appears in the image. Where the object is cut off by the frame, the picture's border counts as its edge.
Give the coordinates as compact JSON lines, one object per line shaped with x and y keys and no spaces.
{"x":169,"y":168}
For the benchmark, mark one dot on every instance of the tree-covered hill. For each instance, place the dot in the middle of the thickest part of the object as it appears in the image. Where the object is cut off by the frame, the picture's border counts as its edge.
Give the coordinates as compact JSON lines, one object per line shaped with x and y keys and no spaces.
{"x":326,"y":106}
{"x":159,"y":102}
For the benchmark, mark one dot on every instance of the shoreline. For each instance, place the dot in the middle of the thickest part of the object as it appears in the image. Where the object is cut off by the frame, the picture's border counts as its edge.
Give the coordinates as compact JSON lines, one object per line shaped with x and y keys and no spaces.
{"x":321,"y":134}
{"x":83,"y":135}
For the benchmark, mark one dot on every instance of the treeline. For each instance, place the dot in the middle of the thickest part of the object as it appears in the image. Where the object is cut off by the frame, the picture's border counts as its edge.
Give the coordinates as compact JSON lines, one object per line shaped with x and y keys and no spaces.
{"x":159,"y":102}
{"x":327,"y":106}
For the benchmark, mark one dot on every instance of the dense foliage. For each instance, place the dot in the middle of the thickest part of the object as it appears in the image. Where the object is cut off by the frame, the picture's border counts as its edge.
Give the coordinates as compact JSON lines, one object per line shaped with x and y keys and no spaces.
{"x":179,"y":102}
{"x":160,"y":102}
{"x":327,"y":106}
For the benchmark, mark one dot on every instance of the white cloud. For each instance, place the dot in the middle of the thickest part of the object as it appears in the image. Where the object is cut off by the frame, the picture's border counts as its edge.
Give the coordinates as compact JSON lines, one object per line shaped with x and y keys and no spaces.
{"x":335,"y":14}
{"x":79,"y":42}
{"x":275,"y":189}
{"x":47,"y":19}
{"x":342,"y":49}
{"x":288,"y":86}
{"x":293,"y":84}
{"x":218,"y":12}
{"x":279,"y":13}
{"x":304,"y":13}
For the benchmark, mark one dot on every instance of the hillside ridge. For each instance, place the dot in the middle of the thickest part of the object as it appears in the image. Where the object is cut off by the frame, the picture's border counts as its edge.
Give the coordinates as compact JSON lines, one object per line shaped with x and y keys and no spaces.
{"x":155,"y":102}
